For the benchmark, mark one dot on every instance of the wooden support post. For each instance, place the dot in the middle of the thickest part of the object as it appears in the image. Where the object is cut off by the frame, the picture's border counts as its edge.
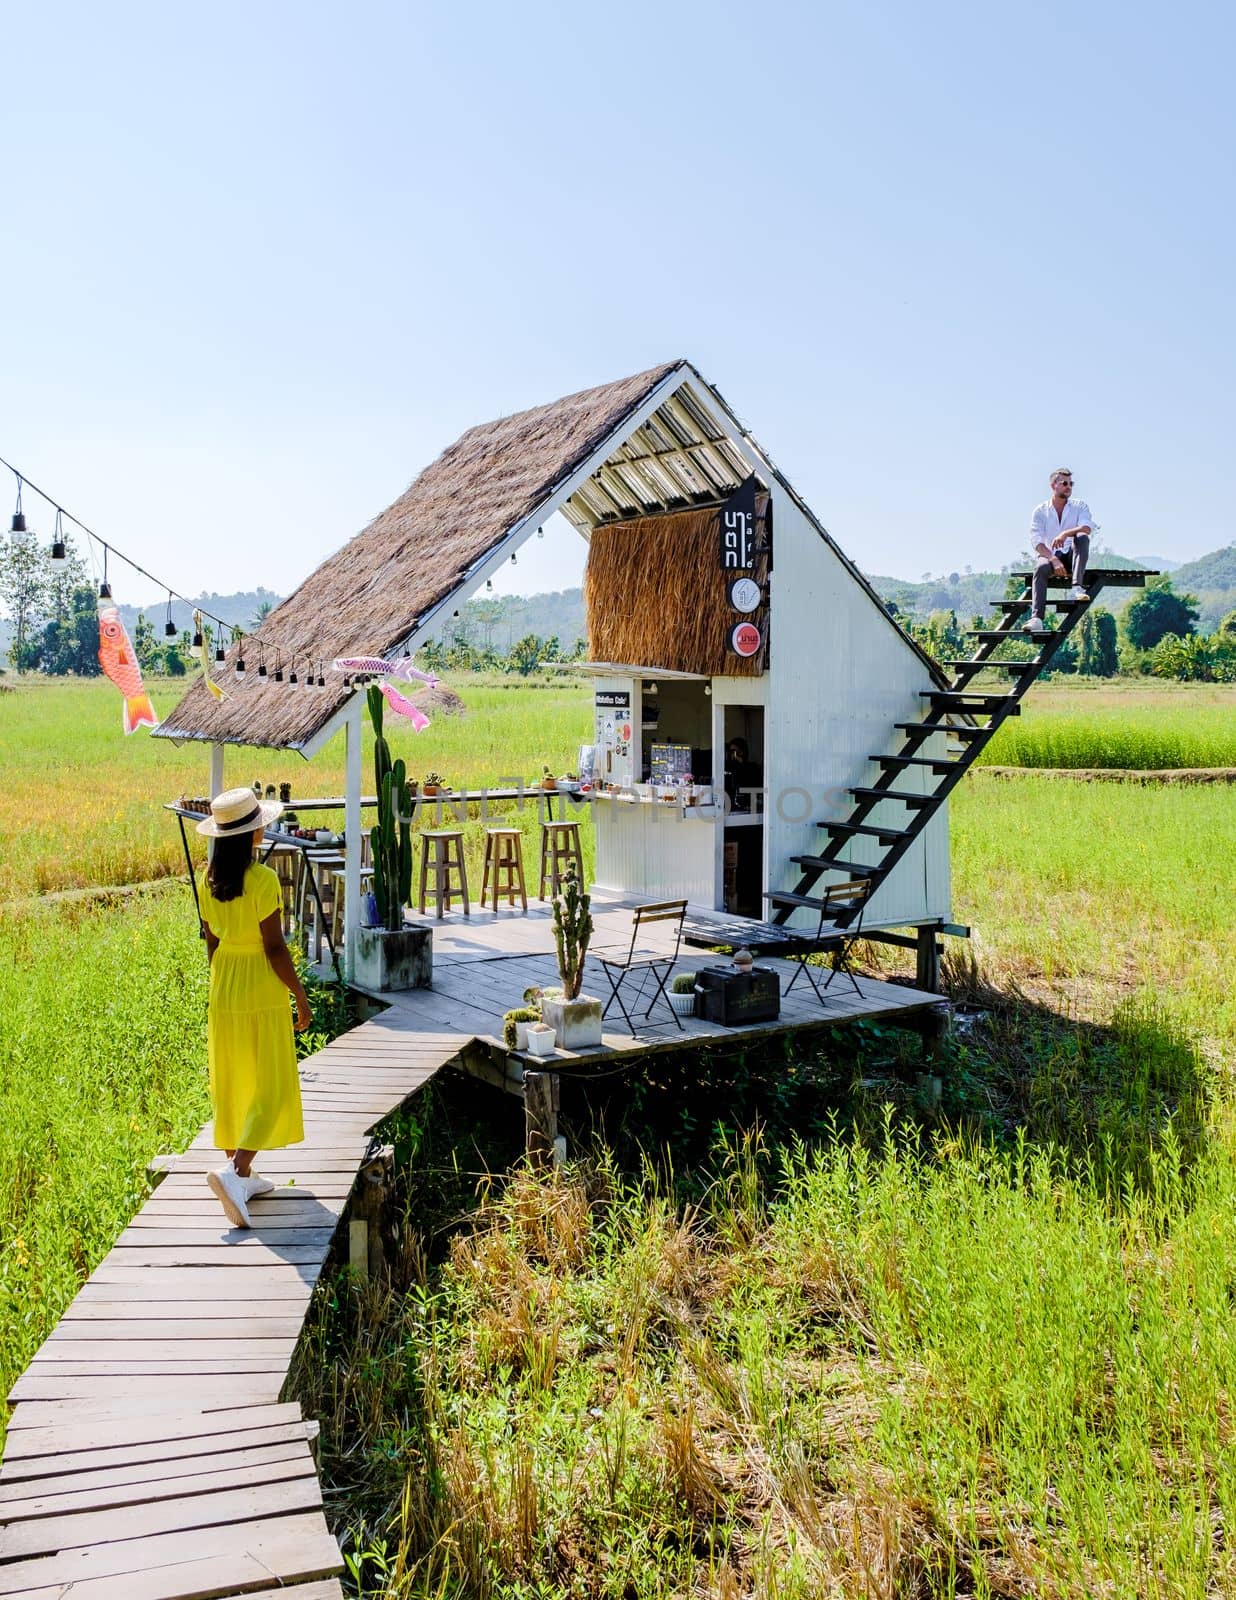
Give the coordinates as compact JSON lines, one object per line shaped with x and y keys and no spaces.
{"x":352,"y":832}
{"x":927,"y":975}
{"x":365,"y":1254}
{"x":540,"y":1117}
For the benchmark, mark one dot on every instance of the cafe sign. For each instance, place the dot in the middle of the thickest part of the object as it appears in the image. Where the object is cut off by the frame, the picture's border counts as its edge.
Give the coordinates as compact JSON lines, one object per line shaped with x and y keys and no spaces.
{"x":744,"y":639}
{"x":736,"y":521}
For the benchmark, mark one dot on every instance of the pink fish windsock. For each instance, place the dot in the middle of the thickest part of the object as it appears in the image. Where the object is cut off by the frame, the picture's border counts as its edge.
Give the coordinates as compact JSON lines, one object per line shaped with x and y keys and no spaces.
{"x":118,"y":661}
{"x":405,"y":708}
{"x":379,"y":667}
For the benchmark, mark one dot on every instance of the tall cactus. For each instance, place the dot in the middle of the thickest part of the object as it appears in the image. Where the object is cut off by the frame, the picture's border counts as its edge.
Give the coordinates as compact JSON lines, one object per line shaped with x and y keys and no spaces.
{"x":391,"y":839}
{"x":572,"y":931}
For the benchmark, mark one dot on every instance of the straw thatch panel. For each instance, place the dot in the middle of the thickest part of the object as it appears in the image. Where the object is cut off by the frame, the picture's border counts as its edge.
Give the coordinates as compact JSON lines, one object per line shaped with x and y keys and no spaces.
{"x":655,"y":595}
{"x":367,"y":597}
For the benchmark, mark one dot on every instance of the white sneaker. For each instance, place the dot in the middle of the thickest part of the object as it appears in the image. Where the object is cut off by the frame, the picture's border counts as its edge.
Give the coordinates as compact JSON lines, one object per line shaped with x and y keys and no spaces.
{"x":1078,"y":593}
{"x":257,"y":1185}
{"x":231,"y":1191}
{"x":1035,"y":625}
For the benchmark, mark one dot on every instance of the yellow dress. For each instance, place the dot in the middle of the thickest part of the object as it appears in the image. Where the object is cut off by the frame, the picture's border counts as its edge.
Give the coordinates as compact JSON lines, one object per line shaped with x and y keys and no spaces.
{"x":254,"y":1087}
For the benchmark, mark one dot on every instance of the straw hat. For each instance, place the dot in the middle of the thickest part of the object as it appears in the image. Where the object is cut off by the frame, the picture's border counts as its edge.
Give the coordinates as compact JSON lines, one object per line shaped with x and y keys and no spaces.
{"x":238,"y":811}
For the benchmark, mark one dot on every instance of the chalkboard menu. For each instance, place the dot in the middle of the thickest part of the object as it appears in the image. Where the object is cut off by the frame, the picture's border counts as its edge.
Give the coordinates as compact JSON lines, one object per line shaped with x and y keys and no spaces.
{"x":670,"y":763}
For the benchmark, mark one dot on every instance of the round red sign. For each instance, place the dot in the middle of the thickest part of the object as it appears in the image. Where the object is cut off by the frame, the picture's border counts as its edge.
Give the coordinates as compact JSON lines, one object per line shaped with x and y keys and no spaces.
{"x":745,"y":638}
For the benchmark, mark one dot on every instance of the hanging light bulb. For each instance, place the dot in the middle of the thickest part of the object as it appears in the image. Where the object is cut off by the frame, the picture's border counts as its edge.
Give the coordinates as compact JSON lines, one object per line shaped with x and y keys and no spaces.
{"x":59,"y":552}
{"x":261,"y":661}
{"x":540,"y":533}
{"x":105,"y":588}
{"x":18,"y":530}
{"x":197,"y":638}
{"x":292,"y":678}
{"x":512,"y":558}
{"x":489,"y":583}
{"x":169,"y":627}
{"x":279,"y":671}
{"x":240,"y":666}
{"x":220,"y":653}
{"x":321,"y":677}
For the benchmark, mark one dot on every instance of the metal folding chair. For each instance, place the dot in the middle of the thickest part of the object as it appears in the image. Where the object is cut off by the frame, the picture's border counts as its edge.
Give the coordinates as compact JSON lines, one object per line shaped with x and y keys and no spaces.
{"x":652,"y":967}
{"x":840,"y":925}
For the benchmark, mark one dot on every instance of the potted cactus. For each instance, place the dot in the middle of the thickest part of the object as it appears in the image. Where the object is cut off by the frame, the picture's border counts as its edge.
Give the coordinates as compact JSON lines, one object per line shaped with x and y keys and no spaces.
{"x":574,"y":1017}
{"x":682,"y":993}
{"x":390,"y":955}
{"x":432,"y":783}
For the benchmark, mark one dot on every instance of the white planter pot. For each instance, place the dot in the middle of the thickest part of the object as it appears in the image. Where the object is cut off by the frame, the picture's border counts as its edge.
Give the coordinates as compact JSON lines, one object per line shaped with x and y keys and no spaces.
{"x":394,"y":960}
{"x":521,"y":1036}
{"x":540,"y":1042}
{"x":576,"y":1023}
{"x":683,"y":1004}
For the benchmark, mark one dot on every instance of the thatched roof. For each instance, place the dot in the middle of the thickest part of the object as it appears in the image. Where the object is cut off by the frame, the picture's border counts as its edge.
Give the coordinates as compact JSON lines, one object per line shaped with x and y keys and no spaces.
{"x":366,"y":598}
{"x":655,"y":594}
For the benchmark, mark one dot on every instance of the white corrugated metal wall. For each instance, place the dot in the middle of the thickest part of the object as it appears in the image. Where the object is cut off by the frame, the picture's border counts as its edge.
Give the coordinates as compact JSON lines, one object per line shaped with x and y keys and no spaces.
{"x":840,"y":678}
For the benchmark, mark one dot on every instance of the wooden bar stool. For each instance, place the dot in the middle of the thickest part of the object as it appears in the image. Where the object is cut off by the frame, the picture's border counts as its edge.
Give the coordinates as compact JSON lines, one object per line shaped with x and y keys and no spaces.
{"x":442,"y":855}
{"x":504,"y":866}
{"x":560,"y":852}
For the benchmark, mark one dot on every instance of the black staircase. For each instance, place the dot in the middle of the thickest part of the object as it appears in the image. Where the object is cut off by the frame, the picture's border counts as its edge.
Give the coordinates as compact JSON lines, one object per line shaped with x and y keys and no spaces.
{"x":886,"y":843}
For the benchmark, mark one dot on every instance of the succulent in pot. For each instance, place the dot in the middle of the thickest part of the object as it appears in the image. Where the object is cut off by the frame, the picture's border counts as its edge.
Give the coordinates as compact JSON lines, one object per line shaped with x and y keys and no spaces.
{"x":515,"y":1026}
{"x":432,"y":783}
{"x":682,"y":993}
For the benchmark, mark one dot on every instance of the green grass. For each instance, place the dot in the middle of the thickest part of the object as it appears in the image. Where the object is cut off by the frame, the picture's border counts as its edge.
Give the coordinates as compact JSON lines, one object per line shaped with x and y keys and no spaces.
{"x":1129,"y":725}
{"x":867,"y":1371}
{"x":102,"y":1065}
{"x":99,"y":819}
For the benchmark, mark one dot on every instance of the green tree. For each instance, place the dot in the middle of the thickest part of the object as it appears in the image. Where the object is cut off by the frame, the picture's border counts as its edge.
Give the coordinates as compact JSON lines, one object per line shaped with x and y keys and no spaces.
{"x":1158,"y":611}
{"x":525,"y":654}
{"x":260,"y":615}
{"x":72,"y":644}
{"x":1227,"y":625}
{"x":1096,"y":654}
{"x":23,"y":594}
{"x":144,"y":646}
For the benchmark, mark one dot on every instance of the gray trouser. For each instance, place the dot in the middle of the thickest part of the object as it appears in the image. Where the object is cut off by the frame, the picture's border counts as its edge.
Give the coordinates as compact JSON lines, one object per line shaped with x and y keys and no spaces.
{"x":1074,"y":564}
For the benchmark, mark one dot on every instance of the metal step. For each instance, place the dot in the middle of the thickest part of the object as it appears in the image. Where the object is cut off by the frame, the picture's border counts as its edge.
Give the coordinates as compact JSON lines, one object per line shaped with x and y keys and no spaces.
{"x":783,"y":897}
{"x":915,"y":801}
{"x":953,"y":733}
{"x":938,"y":764}
{"x":959,"y":699}
{"x":1024,"y":605}
{"x":869,"y":830}
{"x":996,"y":633}
{"x":997,"y":666}
{"x":856,"y":869}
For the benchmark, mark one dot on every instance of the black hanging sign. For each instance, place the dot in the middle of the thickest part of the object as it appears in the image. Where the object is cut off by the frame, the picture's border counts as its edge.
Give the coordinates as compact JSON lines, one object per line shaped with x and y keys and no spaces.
{"x":736,"y":520}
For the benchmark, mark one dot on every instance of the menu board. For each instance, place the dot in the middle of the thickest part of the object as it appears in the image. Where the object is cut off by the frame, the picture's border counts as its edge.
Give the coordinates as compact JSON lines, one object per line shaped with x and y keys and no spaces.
{"x":671,"y":763}
{"x":612,"y":755}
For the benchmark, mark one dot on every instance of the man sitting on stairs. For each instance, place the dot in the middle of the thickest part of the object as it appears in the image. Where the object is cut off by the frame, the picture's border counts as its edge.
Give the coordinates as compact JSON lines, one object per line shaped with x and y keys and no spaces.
{"x":1060,"y":538}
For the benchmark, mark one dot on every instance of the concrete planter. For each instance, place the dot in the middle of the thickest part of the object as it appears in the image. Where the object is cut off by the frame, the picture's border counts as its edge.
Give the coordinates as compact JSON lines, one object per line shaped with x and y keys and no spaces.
{"x":400,"y":960}
{"x":576,"y":1023}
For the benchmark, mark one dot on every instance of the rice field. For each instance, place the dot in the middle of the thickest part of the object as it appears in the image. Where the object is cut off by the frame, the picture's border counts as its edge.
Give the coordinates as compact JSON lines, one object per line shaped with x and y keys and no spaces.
{"x":98,"y":818}
{"x":847,"y":1368}
{"x":1135,"y":726}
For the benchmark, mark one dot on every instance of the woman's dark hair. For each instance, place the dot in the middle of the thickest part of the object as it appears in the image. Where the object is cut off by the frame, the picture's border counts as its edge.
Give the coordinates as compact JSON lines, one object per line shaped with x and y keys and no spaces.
{"x":225,"y":876}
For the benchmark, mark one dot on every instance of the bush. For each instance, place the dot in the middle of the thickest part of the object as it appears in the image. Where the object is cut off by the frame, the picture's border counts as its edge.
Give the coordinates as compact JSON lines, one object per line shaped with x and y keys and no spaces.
{"x":684,"y":983}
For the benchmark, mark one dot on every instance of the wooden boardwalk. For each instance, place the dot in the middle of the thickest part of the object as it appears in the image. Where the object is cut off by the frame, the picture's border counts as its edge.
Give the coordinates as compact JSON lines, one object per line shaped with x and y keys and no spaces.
{"x":150,"y":1455}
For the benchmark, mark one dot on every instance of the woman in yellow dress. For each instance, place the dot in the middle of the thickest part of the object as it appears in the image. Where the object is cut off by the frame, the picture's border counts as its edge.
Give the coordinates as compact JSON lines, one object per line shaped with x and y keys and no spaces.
{"x":254,"y":1086}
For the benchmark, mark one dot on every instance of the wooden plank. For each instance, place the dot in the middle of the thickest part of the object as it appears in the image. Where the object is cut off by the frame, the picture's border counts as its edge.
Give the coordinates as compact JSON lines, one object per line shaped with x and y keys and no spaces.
{"x":183,"y":1565}
{"x":27,"y":1436}
{"x":157,"y":1457}
{"x":120,"y":1486}
{"x":201,"y":1314}
{"x":171,"y":1234}
{"x":105,"y":1395}
{"x":92,"y":1330}
{"x":103,"y":1352}
{"x":255,"y":1255}
{"x":21,"y":1540}
{"x":277,"y":1282}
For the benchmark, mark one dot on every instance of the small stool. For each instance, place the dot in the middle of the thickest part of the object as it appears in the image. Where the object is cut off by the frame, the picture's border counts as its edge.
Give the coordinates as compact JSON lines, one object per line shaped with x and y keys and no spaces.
{"x":504,"y":866}
{"x":442,"y":855}
{"x":560,"y":853}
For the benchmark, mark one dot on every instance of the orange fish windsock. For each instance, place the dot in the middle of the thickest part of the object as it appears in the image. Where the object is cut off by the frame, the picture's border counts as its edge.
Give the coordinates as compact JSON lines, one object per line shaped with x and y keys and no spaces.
{"x":120,"y":664}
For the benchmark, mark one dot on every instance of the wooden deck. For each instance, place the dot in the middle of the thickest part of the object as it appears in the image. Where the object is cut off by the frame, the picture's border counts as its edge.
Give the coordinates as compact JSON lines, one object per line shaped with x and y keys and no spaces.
{"x":150,"y":1455}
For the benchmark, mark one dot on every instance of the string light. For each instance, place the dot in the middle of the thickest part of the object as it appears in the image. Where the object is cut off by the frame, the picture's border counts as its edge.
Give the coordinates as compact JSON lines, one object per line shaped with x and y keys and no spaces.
{"x":261,"y":659}
{"x":292,"y":678}
{"x":197,"y":638}
{"x":59,"y":554}
{"x":169,"y":627}
{"x":17,"y":529}
{"x":220,"y":653}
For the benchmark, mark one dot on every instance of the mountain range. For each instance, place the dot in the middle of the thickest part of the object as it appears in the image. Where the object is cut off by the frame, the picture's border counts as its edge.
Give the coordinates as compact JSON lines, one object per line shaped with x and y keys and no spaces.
{"x":499,"y":622}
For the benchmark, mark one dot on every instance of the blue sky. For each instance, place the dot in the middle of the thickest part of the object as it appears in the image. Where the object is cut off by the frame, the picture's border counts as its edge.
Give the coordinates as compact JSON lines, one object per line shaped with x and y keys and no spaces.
{"x":264,"y":261}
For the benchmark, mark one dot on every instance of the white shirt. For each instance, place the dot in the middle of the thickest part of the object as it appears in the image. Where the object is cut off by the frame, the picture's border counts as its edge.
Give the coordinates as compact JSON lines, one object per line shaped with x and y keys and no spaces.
{"x":1045,"y":525}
